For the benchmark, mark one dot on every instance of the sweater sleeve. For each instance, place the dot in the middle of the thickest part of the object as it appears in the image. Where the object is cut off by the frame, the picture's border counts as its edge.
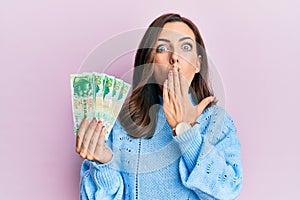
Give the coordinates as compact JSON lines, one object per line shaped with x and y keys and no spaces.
{"x":101,"y":181}
{"x":210,"y":164}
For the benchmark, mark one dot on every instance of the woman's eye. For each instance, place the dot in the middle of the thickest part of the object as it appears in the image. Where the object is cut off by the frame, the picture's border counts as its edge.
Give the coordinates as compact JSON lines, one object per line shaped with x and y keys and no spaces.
{"x":187,"y":47}
{"x":161,"y":48}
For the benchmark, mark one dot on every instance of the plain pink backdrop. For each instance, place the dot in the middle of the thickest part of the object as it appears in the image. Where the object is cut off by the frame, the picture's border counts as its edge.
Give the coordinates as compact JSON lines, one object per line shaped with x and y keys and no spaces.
{"x":254,"y":44}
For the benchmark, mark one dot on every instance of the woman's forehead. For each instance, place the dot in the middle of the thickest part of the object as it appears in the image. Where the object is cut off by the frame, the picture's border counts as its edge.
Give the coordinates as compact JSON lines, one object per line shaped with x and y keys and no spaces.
{"x":176,"y":30}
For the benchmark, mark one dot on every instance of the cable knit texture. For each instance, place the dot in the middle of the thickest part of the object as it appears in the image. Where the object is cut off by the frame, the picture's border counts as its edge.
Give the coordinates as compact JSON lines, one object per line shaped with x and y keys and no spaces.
{"x":202,"y":163}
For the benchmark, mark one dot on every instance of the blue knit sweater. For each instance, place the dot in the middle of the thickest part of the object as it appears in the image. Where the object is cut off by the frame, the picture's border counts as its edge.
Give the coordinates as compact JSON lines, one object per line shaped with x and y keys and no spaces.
{"x":202,"y":163}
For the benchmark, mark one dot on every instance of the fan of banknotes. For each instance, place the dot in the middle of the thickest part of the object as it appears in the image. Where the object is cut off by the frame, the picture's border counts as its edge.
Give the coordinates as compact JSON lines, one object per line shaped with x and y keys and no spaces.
{"x":97,"y":95}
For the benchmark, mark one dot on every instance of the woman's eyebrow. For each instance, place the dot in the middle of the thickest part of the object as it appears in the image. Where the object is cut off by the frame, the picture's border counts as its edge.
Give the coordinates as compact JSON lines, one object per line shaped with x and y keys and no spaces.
{"x":181,"y":39}
{"x":164,"y":40}
{"x":185,"y":38}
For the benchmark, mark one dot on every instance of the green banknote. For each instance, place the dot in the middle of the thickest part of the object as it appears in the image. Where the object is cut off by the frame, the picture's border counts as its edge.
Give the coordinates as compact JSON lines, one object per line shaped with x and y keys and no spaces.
{"x":110,"y":117}
{"x":120,"y":98}
{"x":99,"y":81}
{"x":97,"y":95}
{"x":82,"y":89}
{"x":107,"y":117}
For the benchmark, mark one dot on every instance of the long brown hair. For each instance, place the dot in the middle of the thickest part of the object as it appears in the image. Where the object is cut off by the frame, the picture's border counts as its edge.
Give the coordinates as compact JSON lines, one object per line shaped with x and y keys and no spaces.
{"x":139,"y":113}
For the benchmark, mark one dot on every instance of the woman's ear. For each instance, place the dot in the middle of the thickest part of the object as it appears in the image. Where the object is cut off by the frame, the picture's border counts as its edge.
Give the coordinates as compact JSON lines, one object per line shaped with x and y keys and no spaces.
{"x":198,"y":64}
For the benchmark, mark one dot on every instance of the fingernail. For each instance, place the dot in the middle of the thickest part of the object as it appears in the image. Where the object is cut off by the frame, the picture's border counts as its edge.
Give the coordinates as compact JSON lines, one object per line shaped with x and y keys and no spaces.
{"x":170,"y":72}
{"x":82,"y":154}
{"x":99,"y":121}
{"x":213,"y":99}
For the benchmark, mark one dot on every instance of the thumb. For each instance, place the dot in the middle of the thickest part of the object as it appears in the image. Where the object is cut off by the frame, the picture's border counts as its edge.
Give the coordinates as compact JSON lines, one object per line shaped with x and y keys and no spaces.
{"x":204,"y":103}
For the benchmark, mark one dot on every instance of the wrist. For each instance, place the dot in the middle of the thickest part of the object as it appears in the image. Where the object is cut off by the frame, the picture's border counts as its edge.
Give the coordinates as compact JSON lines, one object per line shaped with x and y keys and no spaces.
{"x":181,"y":127}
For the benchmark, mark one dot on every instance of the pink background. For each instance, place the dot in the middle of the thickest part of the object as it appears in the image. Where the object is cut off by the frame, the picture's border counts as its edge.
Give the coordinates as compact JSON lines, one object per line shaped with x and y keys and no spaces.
{"x":254,"y":44}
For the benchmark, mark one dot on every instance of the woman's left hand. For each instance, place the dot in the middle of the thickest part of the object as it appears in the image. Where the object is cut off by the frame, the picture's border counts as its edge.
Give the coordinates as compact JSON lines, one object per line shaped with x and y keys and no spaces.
{"x":177,"y":104}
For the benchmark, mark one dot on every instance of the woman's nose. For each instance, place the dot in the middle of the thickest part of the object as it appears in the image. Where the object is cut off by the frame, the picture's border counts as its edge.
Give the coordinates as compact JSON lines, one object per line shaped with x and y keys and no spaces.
{"x":174,"y":58}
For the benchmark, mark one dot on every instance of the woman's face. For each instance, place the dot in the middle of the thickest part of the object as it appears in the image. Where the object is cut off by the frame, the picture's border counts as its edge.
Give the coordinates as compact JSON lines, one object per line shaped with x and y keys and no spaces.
{"x":176,"y":48}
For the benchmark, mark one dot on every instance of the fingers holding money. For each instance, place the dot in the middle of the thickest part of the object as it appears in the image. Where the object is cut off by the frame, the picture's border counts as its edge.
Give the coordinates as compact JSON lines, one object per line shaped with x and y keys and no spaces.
{"x":90,"y":138}
{"x":94,"y":141}
{"x":84,"y":136}
{"x":80,"y":133}
{"x":102,"y":153}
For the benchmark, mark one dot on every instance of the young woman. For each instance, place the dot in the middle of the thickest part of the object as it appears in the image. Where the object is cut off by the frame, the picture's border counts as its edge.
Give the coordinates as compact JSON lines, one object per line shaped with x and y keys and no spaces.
{"x":171,"y":140}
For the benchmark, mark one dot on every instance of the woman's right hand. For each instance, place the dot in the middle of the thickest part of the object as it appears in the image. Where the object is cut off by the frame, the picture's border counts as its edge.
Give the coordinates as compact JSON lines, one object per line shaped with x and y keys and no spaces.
{"x":90,"y":141}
